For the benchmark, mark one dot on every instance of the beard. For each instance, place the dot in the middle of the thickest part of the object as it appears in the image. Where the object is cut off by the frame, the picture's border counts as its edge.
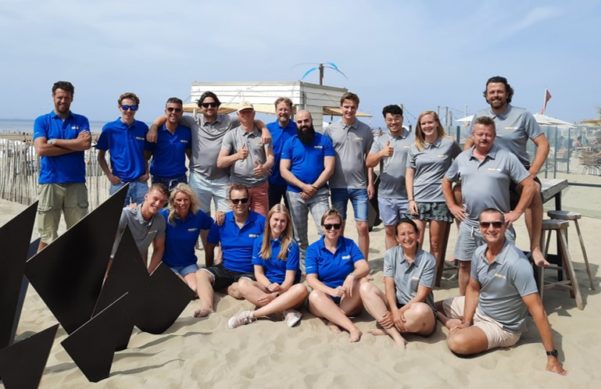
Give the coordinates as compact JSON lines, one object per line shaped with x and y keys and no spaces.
{"x":306,"y":134}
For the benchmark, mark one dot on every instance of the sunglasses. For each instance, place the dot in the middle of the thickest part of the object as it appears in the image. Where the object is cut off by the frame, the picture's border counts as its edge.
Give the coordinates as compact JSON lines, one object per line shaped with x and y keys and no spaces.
{"x":129,"y":107}
{"x":334,"y":226}
{"x":173,"y":109}
{"x":240,"y":201}
{"x":494,"y":224}
{"x":209,"y":105}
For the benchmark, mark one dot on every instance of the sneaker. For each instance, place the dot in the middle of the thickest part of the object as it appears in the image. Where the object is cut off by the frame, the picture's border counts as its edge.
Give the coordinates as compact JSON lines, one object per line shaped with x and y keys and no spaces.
{"x":240,"y":319}
{"x":292,"y":317}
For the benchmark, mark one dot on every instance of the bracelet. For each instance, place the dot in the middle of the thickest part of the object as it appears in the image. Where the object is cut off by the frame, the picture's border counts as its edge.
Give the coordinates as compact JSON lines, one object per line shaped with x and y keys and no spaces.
{"x":410,"y":200}
{"x":552,"y":353}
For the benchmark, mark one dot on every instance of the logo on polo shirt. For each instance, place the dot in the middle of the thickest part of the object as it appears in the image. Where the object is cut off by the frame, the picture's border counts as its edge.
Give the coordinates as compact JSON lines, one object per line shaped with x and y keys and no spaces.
{"x":318,"y":147}
{"x":140,"y":138}
{"x":192,"y":229}
{"x":183,"y":141}
{"x":253,"y":235}
{"x":441,"y":156}
{"x":346,"y":257}
{"x":75,"y":127}
{"x":501,"y":276}
{"x":494,"y":169}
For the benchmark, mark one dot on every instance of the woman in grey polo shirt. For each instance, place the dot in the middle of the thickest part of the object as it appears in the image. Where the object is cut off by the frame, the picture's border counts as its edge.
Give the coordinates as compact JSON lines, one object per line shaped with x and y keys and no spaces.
{"x":407,"y":304}
{"x":429,"y":159}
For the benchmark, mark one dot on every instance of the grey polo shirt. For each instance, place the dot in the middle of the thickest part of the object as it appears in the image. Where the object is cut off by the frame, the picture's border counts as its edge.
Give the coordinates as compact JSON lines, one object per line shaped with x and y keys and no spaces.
{"x":503,"y":283}
{"x":430,"y":165}
{"x":486,"y":184}
{"x":514,"y":128}
{"x":352,"y":143}
{"x":407,"y":277}
{"x":143,"y":231}
{"x":241,"y":172}
{"x":207,"y":139}
{"x":392,"y":169}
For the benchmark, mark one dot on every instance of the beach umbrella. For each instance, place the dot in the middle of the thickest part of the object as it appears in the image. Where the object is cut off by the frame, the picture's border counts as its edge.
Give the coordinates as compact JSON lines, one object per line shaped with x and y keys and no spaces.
{"x":545,"y":120}
{"x":591,"y":122}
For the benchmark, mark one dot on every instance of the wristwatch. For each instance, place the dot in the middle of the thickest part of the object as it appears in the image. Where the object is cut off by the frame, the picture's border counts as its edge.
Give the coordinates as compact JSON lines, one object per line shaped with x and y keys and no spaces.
{"x":552,"y":353}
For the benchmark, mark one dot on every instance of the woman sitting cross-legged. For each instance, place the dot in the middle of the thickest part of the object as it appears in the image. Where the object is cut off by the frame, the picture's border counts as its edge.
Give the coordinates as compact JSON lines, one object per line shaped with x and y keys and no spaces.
{"x":275,"y":260}
{"x":335,"y":267}
{"x":407,"y":304}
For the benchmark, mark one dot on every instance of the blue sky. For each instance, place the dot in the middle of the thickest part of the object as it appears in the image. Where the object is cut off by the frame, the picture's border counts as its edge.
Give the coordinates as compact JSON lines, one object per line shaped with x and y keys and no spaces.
{"x":422,"y":54}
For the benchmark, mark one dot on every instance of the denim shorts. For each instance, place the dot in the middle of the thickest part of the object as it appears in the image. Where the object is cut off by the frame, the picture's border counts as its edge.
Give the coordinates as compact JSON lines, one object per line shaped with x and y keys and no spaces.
{"x":358,"y":197}
{"x":184,"y":270}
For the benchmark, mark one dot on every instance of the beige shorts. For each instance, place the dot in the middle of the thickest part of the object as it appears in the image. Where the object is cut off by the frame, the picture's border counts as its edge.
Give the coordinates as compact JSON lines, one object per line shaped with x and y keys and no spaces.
{"x":72,"y":199}
{"x":496,"y":335}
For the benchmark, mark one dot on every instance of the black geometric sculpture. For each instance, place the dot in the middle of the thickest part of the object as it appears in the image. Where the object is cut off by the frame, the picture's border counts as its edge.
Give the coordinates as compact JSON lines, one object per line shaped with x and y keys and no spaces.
{"x":22,"y":364}
{"x":92,"y":346}
{"x":14,"y":240}
{"x":68,"y":273}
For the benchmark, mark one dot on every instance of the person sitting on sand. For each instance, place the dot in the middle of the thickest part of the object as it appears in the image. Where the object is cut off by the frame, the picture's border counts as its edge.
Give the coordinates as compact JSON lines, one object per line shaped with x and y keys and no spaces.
{"x":276,"y":264}
{"x":335,"y":267}
{"x":236,"y":236}
{"x":500,"y":293}
{"x":406,"y":305}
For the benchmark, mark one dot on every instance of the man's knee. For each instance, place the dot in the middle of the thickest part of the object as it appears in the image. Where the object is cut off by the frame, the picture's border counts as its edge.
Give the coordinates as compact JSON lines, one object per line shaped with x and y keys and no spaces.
{"x":458,"y":343}
{"x":366,"y":289}
{"x":465,"y":266}
{"x":362,"y":229}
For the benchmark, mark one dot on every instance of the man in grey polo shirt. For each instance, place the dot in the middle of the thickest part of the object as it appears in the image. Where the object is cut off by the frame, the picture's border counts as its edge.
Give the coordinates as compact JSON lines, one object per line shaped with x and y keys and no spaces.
{"x":501,"y":291}
{"x":352,"y":181}
{"x":390,"y":151}
{"x":514,"y":127}
{"x":486,"y":172}
{"x":248,"y":158}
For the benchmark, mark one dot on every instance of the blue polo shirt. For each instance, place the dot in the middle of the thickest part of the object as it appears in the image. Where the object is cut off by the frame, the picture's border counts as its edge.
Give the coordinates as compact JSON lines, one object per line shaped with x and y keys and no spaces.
{"x":62,"y":169}
{"x":181,"y":237}
{"x":169,"y":153}
{"x":237,"y":243}
{"x":332,"y":269}
{"x":126,"y":147}
{"x":273,"y":267}
{"x":307,"y":161}
{"x":279,"y":136}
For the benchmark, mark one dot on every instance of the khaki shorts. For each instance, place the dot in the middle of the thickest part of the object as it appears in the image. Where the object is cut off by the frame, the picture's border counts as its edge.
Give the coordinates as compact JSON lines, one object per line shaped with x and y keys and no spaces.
{"x":496,"y":335}
{"x":72,"y":199}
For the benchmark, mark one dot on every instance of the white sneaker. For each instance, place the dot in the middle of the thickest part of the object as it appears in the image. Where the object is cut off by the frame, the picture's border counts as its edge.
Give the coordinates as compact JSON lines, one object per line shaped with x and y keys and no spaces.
{"x":240,"y":319}
{"x":292,"y":317}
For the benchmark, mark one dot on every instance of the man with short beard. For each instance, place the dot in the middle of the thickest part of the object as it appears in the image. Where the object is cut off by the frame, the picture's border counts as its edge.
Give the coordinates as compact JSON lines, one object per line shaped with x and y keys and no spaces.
{"x":308,"y":160}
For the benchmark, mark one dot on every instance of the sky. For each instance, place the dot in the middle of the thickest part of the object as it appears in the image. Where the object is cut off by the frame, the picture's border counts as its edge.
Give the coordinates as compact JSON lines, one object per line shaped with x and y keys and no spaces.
{"x":422,"y":54}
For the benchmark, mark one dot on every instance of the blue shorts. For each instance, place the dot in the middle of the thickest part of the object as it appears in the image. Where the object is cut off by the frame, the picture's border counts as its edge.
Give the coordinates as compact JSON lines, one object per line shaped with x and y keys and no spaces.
{"x":392,"y":210}
{"x":358,"y":197}
{"x":184,"y":270}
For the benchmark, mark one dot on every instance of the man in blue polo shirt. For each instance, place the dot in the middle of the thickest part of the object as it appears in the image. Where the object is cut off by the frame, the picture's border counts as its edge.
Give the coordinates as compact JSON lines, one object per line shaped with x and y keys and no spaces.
{"x":307,"y":163}
{"x":281,"y":130}
{"x":168,"y":165}
{"x":236,"y":236}
{"x":125,"y":140}
{"x":60,"y":138}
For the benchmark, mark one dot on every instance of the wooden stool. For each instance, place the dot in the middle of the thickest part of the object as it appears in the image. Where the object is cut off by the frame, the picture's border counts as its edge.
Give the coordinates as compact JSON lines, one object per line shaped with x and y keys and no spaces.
{"x":561,"y":229}
{"x":574,"y":216}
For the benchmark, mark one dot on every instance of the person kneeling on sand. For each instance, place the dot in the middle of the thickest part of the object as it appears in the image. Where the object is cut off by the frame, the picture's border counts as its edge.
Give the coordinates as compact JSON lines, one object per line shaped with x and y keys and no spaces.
{"x":236,"y":236}
{"x":500,"y":293}
{"x":335,"y":267}
{"x":406,"y":305}
{"x":276,"y":264}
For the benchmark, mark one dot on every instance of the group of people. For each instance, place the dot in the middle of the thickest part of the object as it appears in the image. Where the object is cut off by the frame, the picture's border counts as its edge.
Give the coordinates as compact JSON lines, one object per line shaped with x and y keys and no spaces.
{"x":264,"y":180}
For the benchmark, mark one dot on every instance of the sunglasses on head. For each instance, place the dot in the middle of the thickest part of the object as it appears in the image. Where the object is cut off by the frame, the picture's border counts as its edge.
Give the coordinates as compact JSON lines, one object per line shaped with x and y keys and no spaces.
{"x":238,"y":201}
{"x":335,"y":226}
{"x":129,"y":107}
{"x":173,"y":109}
{"x":209,"y":105}
{"x":494,"y":224}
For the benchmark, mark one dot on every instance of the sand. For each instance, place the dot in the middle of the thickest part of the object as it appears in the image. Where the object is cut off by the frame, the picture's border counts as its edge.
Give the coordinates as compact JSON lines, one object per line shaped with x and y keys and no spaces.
{"x":268,"y":354}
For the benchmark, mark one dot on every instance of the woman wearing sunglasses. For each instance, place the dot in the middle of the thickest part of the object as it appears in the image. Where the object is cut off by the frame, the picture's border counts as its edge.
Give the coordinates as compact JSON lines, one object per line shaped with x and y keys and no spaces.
{"x":275,"y":260}
{"x":335,"y":267}
{"x":406,"y":305}
{"x":429,"y":159}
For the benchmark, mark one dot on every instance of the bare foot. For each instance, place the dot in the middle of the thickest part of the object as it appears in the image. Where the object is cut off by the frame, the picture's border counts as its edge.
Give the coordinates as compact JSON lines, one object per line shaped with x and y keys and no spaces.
{"x":355,"y":336}
{"x":377,"y":332}
{"x":539,"y":258}
{"x":333,"y":327}
{"x":202,"y":312}
{"x":452,"y":323}
{"x":401,"y":342}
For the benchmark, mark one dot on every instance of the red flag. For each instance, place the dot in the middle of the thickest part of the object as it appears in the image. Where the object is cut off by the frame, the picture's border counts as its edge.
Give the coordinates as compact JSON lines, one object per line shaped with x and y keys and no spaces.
{"x":546,"y":100}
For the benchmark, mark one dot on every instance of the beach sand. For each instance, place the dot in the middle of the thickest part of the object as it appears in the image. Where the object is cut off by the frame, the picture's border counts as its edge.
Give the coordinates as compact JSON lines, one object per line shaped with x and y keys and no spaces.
{"x":268,"y":354}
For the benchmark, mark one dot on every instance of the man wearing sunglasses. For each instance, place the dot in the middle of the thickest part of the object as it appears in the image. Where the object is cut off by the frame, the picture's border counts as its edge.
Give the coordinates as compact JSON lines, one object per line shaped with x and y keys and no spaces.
{"x":486,"y":171}
{"x":125,"y":140}
{"x":500,"y":293}
{"x":168,"y":165}
{"x":236,"y":237}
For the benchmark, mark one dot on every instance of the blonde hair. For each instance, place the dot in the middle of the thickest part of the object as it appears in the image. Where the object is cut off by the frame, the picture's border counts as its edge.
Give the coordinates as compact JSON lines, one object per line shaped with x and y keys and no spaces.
{"x":285,"y":238}
{"x":420,"y":138}
{"x":187,"y":190}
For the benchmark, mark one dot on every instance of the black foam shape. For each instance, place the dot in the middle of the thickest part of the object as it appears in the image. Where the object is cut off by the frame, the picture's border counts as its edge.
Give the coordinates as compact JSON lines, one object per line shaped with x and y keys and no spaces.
{"x":14,"y":240}
{"x":92,"y":346}
{"x":158,"y":306}
{"x":68,"y":273}
{"x":22,"y":364}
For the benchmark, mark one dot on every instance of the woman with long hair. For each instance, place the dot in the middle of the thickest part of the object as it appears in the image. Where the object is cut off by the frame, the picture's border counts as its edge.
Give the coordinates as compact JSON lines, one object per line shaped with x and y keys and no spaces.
{"x":276,"y":266}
